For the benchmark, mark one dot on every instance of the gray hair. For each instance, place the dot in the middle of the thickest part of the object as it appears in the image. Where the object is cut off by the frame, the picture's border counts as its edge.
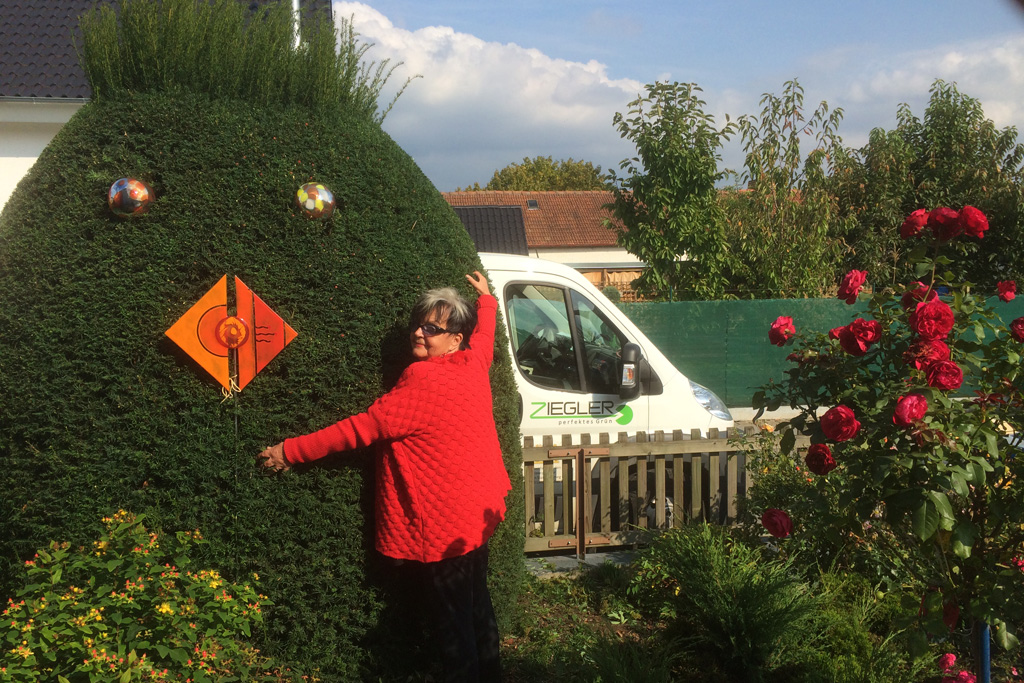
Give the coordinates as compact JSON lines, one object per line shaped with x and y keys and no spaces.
{"x":441,"y":301}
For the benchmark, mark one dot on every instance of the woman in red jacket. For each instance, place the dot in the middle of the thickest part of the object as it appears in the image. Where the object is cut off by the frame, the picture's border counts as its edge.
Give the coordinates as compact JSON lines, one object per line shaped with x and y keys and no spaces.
{"x":440,"y":482}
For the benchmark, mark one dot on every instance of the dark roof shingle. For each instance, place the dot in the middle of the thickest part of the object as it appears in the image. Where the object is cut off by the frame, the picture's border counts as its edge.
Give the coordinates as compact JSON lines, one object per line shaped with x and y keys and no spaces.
{"x":495,"y":228}
{"x":559,"y":220}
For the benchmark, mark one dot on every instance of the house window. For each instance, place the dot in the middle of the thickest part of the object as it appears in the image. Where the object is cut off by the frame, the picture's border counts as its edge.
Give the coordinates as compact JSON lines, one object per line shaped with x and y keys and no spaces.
{"x":532,"y":204}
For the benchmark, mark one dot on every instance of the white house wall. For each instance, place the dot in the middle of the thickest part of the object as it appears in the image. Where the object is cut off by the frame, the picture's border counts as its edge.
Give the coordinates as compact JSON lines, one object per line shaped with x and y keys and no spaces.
{"x":26,"y":128}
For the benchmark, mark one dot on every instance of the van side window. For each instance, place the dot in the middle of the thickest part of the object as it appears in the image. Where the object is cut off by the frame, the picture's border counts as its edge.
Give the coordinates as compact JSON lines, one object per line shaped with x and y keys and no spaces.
{"x":602,"y":344}
{"x":542,"y":336}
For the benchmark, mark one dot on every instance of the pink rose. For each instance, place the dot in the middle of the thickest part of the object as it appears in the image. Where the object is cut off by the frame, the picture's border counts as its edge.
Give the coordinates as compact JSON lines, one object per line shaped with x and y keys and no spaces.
{"x":947,"y":661}
{"x":914,"y":223}
{"x":819,"y":459}
{"x":944,"y":223}
{"x":839,"y":424}
{"x":923,"y":353}
{"x":1007,"y":290}
{"x":932,"y":319}
{"x":973,"y":222}
{"x":921,"y":292}
{"x":781,"y":330}
{"x":910,"y":409}
{"x":1017,"y":329}
{"x":857,"y":337}
{"x":945,"y":374}
{"x":777,"y":522}
{"x":850,"y":287}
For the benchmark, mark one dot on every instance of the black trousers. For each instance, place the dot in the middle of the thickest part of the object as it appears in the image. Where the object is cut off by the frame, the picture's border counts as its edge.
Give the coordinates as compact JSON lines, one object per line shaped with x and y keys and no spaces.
{"x":453,"y":598}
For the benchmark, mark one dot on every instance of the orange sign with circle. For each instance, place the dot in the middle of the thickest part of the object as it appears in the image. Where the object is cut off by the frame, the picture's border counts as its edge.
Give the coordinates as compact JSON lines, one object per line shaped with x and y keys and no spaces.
{"x":209,"y":334}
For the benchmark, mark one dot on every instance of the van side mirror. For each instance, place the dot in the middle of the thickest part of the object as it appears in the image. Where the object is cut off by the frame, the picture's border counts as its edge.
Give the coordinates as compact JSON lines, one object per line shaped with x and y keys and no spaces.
{"x":629,"y":388}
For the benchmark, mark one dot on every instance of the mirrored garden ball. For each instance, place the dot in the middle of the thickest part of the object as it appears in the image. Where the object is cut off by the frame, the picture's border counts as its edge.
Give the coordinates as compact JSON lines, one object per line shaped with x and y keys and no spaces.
{"x":129,"y":197}
{"x":315,"y":200}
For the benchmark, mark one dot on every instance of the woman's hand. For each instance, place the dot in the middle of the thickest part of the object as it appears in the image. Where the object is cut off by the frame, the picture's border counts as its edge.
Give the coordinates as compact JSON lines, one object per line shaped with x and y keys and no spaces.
{"x":479,"y":283}
{"x":273,"y":458}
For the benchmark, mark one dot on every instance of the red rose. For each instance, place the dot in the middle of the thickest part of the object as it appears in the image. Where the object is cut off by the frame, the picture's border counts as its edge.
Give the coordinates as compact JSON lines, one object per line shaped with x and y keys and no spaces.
{"x":850,"y":287}
{"x":945,"y":374}
{"x":921,"y":292}
{"x":819,"y":459}
{"x":914,"y":223}
{"x":923,"y":353}
{"x":973,"y":222}
{"x":944,"y":223}
{"x":859,"y":335}
{"x":910,"y":409}
{"x":932,"y":319}
{"x":839,"y":424}
{"x":1017,"y":329}
{"x":777,"y":522}
{"x":1007,"y":290}
{"x":781,"y":331}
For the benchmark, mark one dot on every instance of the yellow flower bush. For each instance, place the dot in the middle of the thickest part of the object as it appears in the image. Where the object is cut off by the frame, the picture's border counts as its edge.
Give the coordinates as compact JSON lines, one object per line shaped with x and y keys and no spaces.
{"x":125,"y":609}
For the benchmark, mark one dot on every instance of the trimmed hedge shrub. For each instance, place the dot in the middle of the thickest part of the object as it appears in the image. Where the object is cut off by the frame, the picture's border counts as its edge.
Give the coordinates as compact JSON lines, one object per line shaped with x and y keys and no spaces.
{"x":100,"y":411}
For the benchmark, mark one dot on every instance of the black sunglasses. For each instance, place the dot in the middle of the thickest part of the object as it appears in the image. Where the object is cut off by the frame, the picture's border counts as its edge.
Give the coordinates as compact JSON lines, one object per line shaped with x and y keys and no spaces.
{"x":431,"y":330}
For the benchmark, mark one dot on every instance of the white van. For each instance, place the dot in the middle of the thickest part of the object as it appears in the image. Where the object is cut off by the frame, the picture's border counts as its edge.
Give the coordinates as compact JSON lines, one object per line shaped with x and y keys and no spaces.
{"x":580,"y":364}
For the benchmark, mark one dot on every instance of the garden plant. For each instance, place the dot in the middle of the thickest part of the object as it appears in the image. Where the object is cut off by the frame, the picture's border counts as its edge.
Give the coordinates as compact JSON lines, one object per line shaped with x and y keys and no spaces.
{"x":224,"y":118}
{"x":914,"y":415}
{"x":129,"y":607}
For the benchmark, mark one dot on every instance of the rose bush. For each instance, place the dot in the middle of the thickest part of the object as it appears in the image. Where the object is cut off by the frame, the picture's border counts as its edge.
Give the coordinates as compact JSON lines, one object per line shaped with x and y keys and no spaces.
{"x":819,"y":459}
{"x":781,"y":330}
{"x":851,"y":285}
{"x":777,"y":522}
{"x":924,"y":475}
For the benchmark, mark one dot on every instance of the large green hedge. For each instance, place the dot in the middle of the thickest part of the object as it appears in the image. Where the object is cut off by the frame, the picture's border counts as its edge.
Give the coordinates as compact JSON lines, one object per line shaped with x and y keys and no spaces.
{"x":99,"y":410}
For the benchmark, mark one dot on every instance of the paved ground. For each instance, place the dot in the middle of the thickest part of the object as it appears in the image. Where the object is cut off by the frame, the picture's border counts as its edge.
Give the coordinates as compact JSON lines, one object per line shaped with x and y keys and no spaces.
{"x":558,"y":565}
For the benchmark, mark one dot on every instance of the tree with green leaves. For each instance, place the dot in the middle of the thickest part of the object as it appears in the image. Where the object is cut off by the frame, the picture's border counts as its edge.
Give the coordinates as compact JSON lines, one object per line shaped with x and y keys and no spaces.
{"x":544,"y":174}
{"x":953,"y":156}
{"x":665,"y":206}
{"x":784,"y":230}
{"x":218,"y":112}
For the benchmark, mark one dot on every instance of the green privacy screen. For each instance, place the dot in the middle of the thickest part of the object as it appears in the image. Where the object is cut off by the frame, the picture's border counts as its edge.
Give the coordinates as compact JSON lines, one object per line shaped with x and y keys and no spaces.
{"x":724,"y":344}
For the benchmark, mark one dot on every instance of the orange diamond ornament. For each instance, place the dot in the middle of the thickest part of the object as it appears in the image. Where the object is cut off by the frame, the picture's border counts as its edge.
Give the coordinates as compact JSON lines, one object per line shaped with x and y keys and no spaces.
{"x":209,"y":335}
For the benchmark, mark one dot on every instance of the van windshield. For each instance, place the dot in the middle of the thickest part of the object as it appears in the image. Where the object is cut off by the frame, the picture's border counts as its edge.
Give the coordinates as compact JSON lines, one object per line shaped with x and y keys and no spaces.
{"x":577,"y":351}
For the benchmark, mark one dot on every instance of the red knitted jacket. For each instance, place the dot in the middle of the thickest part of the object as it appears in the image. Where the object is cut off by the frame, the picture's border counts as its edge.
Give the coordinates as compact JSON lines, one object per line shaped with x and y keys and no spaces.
{"x":440,"y":479}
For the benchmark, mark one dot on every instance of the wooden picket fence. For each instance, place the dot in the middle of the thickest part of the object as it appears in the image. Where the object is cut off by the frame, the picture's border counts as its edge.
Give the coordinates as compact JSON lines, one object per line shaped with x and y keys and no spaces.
{"x":631,"y":488}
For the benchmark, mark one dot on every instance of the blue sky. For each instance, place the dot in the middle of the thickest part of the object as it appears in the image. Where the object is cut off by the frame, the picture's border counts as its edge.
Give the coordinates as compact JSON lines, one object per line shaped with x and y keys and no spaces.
{"x":501,"y":81}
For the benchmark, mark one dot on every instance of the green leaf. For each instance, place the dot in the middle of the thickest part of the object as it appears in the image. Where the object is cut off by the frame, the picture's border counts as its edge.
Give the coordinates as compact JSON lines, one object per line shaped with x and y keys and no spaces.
{"x":125,"y":677}
{"x":788,"y":441}
{"x":757,"y":400}
{"x":162,"y":650}
{"x":179,"y":655}
{"x":959,"y":484}
{"x":917,"y":642}
{"x":963,"y":539}
{"x":925,"y":520}
{"x":943,"y":508}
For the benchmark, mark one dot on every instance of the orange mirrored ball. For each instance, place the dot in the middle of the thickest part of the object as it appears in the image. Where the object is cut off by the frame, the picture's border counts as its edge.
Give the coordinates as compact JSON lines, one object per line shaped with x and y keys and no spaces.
{"x":129,"y":197}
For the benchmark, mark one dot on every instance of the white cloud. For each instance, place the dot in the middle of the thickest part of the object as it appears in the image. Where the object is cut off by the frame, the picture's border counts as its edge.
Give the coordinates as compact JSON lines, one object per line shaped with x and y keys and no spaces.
{"x":482,"y":105}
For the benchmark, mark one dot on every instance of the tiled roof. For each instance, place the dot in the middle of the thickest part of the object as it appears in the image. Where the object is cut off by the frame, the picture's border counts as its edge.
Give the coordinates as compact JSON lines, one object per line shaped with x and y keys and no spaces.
{"x":38,"y":57}
{"x":37,"y":48}
{"x":559,"y":220}
{"x":495,"y":228}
